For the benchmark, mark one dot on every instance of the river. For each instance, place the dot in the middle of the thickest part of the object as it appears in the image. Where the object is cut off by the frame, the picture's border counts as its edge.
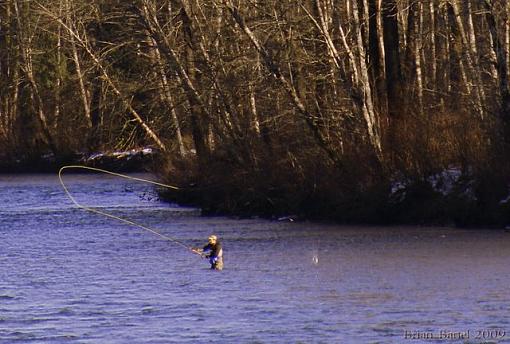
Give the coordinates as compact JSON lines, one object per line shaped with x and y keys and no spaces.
{"x":70,"y":276}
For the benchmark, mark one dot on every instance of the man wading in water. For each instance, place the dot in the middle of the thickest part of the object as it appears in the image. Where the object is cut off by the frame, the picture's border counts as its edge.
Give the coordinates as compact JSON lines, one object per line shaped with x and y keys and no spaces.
{"x":216,"y":254}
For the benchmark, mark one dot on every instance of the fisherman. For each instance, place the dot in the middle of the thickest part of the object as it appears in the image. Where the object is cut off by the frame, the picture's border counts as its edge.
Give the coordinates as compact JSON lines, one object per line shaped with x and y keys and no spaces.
{"x":216,"y":252}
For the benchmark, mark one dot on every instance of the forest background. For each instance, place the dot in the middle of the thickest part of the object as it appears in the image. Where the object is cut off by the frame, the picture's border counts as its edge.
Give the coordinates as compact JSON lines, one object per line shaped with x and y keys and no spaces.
{"x":372,"y":111}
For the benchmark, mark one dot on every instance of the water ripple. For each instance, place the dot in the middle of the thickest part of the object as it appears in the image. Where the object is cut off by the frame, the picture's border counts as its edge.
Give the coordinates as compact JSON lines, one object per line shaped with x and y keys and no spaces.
{"x":67,"y":276}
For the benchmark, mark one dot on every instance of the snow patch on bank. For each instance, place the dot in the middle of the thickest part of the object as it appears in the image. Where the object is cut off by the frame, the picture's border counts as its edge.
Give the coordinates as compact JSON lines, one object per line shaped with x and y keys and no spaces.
{"x":129,"y":154}
{"x":445,"y":181}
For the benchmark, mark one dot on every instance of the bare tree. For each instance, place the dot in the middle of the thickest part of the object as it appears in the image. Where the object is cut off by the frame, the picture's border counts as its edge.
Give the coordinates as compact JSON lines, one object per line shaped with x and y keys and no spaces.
{"x":82,"y":40}
{"x":24,"y":33}
{"x":368,"y":105}
{"x":84,"y":93}
{"x":501,"y":62}
{"x":469,"y":55}
{"x":275,"y":70}
{"x":10,"y":73}
{"x":166,"y":94}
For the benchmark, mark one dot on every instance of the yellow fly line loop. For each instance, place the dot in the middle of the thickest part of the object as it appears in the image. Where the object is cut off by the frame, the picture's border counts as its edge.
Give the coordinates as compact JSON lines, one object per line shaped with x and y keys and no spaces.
{"x":129,"y":222}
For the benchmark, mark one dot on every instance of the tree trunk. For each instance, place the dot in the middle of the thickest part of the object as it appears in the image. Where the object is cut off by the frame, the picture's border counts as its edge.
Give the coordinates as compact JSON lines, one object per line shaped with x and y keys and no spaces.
{"x":368,"y":105}
{"x":455,"y":51}
{"x":58,"y":82}
{"x":116,"y":90}
{"x":254,"y":113}
{"x":383,"y":84}
{"x":507,"y":33}
{"x":469,"y":57}
{"x":392,"y":55}
{"x":433,"y":52}
{"x":376,"y":56}
{"x":274,"y":69}
{"x":501,"y":62}
{"x":417,"y":56}
{"x":166,"y":94}
{"x":24,"y":41}
{"x":10,"y":74}
{"x":364,"y":20}
{"x":79,"y":74}
{"x":199,"y":113}
{"x":355,"y":80}
{"x":197,"y":109}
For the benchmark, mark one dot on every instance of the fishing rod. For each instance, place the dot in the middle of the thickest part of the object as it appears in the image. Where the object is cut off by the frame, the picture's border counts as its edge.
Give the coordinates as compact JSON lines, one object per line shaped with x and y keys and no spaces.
{"x":129,"y":222}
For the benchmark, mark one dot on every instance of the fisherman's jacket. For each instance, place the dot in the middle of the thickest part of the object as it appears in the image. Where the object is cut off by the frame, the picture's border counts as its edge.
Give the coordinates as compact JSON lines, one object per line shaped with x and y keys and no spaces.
{"x":216,"y":252}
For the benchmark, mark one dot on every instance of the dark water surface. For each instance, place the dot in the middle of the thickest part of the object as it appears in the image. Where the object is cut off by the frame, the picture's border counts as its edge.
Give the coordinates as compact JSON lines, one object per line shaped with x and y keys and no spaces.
{"x":69,"y":276}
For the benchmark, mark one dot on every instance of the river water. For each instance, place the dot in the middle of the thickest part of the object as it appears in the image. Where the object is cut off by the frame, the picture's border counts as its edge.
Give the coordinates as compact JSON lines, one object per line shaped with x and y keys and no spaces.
{"x":69,"y":276}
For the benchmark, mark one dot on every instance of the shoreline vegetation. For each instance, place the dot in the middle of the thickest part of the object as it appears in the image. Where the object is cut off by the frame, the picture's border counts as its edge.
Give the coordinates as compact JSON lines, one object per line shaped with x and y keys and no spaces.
{"x":132,"y":160}
{"x":356,"y":111}
{"x":450,"y":197}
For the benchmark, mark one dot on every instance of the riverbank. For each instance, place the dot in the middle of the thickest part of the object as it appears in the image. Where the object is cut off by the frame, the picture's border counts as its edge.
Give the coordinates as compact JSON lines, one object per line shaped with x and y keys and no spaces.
{"x":449,"y":197}
{"x":133,"y":160}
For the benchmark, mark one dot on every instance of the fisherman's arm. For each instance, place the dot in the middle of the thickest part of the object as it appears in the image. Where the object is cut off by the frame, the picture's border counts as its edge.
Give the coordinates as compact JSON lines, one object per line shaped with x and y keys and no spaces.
{"x":201,"y":251}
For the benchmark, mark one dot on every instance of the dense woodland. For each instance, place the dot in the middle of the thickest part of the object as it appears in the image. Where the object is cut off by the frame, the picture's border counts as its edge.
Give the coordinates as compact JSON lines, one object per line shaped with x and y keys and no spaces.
{"x":312,"y":107}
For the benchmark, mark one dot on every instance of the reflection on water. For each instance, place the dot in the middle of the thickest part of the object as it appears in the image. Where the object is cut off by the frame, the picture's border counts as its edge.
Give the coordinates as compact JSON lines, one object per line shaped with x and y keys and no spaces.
{"x":74,"y":277}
